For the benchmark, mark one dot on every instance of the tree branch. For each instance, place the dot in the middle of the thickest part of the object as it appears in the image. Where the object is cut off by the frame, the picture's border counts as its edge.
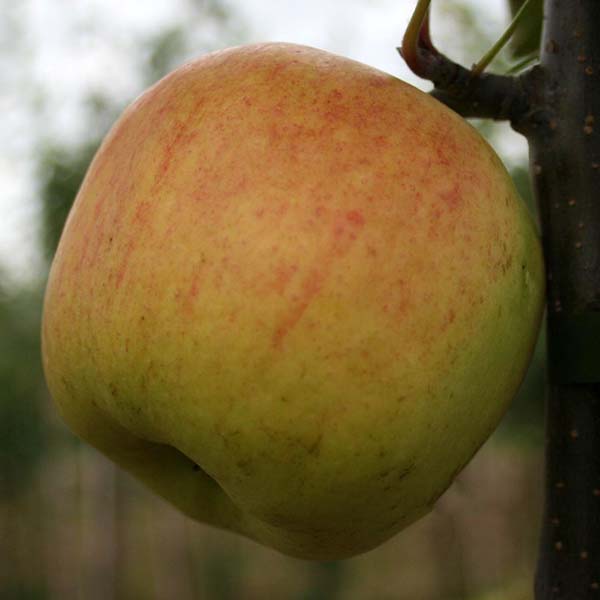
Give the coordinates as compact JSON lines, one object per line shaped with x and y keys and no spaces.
{"x":470,"y":94}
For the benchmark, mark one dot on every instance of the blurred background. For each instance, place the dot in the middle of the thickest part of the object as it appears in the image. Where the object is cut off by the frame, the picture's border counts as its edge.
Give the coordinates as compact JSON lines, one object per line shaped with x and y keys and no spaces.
{"x":74,"y":526}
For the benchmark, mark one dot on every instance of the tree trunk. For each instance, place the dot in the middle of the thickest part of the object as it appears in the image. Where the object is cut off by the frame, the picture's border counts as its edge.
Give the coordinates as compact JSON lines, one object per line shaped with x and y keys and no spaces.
{"x":564,"y":137}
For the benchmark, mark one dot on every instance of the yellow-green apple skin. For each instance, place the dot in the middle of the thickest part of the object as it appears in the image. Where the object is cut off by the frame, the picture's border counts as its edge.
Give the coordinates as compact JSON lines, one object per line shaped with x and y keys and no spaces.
{"x":294,"y":296}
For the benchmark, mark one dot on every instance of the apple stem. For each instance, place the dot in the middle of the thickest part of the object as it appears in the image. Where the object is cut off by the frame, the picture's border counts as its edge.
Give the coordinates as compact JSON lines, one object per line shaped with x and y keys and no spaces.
{"x":416,"y":37}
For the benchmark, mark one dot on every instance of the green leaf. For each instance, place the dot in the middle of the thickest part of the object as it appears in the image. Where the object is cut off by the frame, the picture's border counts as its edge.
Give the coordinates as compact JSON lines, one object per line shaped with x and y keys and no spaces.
{"x":526,"y":39}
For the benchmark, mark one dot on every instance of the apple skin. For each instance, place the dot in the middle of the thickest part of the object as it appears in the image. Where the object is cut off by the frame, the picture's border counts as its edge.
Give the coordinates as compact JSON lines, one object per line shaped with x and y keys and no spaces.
{"x":294,"y":296}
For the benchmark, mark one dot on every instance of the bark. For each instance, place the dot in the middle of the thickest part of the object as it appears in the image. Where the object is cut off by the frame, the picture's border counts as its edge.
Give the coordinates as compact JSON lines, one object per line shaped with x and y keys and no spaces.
{"x":565,"y":152}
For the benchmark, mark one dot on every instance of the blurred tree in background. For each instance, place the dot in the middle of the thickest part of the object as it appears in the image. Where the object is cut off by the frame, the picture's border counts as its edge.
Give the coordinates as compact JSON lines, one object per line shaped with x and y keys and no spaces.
{"x":21,"y":422}
{"x":72,"y":526}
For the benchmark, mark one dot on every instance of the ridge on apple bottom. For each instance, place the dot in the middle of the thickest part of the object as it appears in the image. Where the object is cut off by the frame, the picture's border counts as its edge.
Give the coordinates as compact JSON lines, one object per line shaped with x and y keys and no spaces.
{"x":294,"y":296}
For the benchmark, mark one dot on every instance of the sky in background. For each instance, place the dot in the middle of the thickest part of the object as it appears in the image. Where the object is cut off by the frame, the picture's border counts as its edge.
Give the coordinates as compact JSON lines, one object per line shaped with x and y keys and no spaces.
{"x":54,"y":52}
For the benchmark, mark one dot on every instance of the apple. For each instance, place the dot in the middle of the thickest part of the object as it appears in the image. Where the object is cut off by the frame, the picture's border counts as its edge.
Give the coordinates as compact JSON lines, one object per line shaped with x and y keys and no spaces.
{"x":294,"y":296}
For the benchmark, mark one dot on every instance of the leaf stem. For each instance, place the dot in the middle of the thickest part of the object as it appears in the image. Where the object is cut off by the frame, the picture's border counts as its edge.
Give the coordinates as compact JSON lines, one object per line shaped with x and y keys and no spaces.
{"x":487,"y":58}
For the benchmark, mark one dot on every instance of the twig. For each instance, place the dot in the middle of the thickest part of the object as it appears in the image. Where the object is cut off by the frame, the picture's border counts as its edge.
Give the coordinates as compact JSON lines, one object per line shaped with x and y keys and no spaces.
{"x":469,"y":93}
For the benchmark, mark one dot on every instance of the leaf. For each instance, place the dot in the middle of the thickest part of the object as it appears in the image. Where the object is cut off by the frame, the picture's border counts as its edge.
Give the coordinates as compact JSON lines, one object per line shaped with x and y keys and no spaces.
{"x":526,"y":39}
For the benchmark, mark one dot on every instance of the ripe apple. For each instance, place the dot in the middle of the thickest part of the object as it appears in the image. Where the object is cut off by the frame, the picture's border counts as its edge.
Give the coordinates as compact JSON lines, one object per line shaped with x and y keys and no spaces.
{"x":294,"y":296}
